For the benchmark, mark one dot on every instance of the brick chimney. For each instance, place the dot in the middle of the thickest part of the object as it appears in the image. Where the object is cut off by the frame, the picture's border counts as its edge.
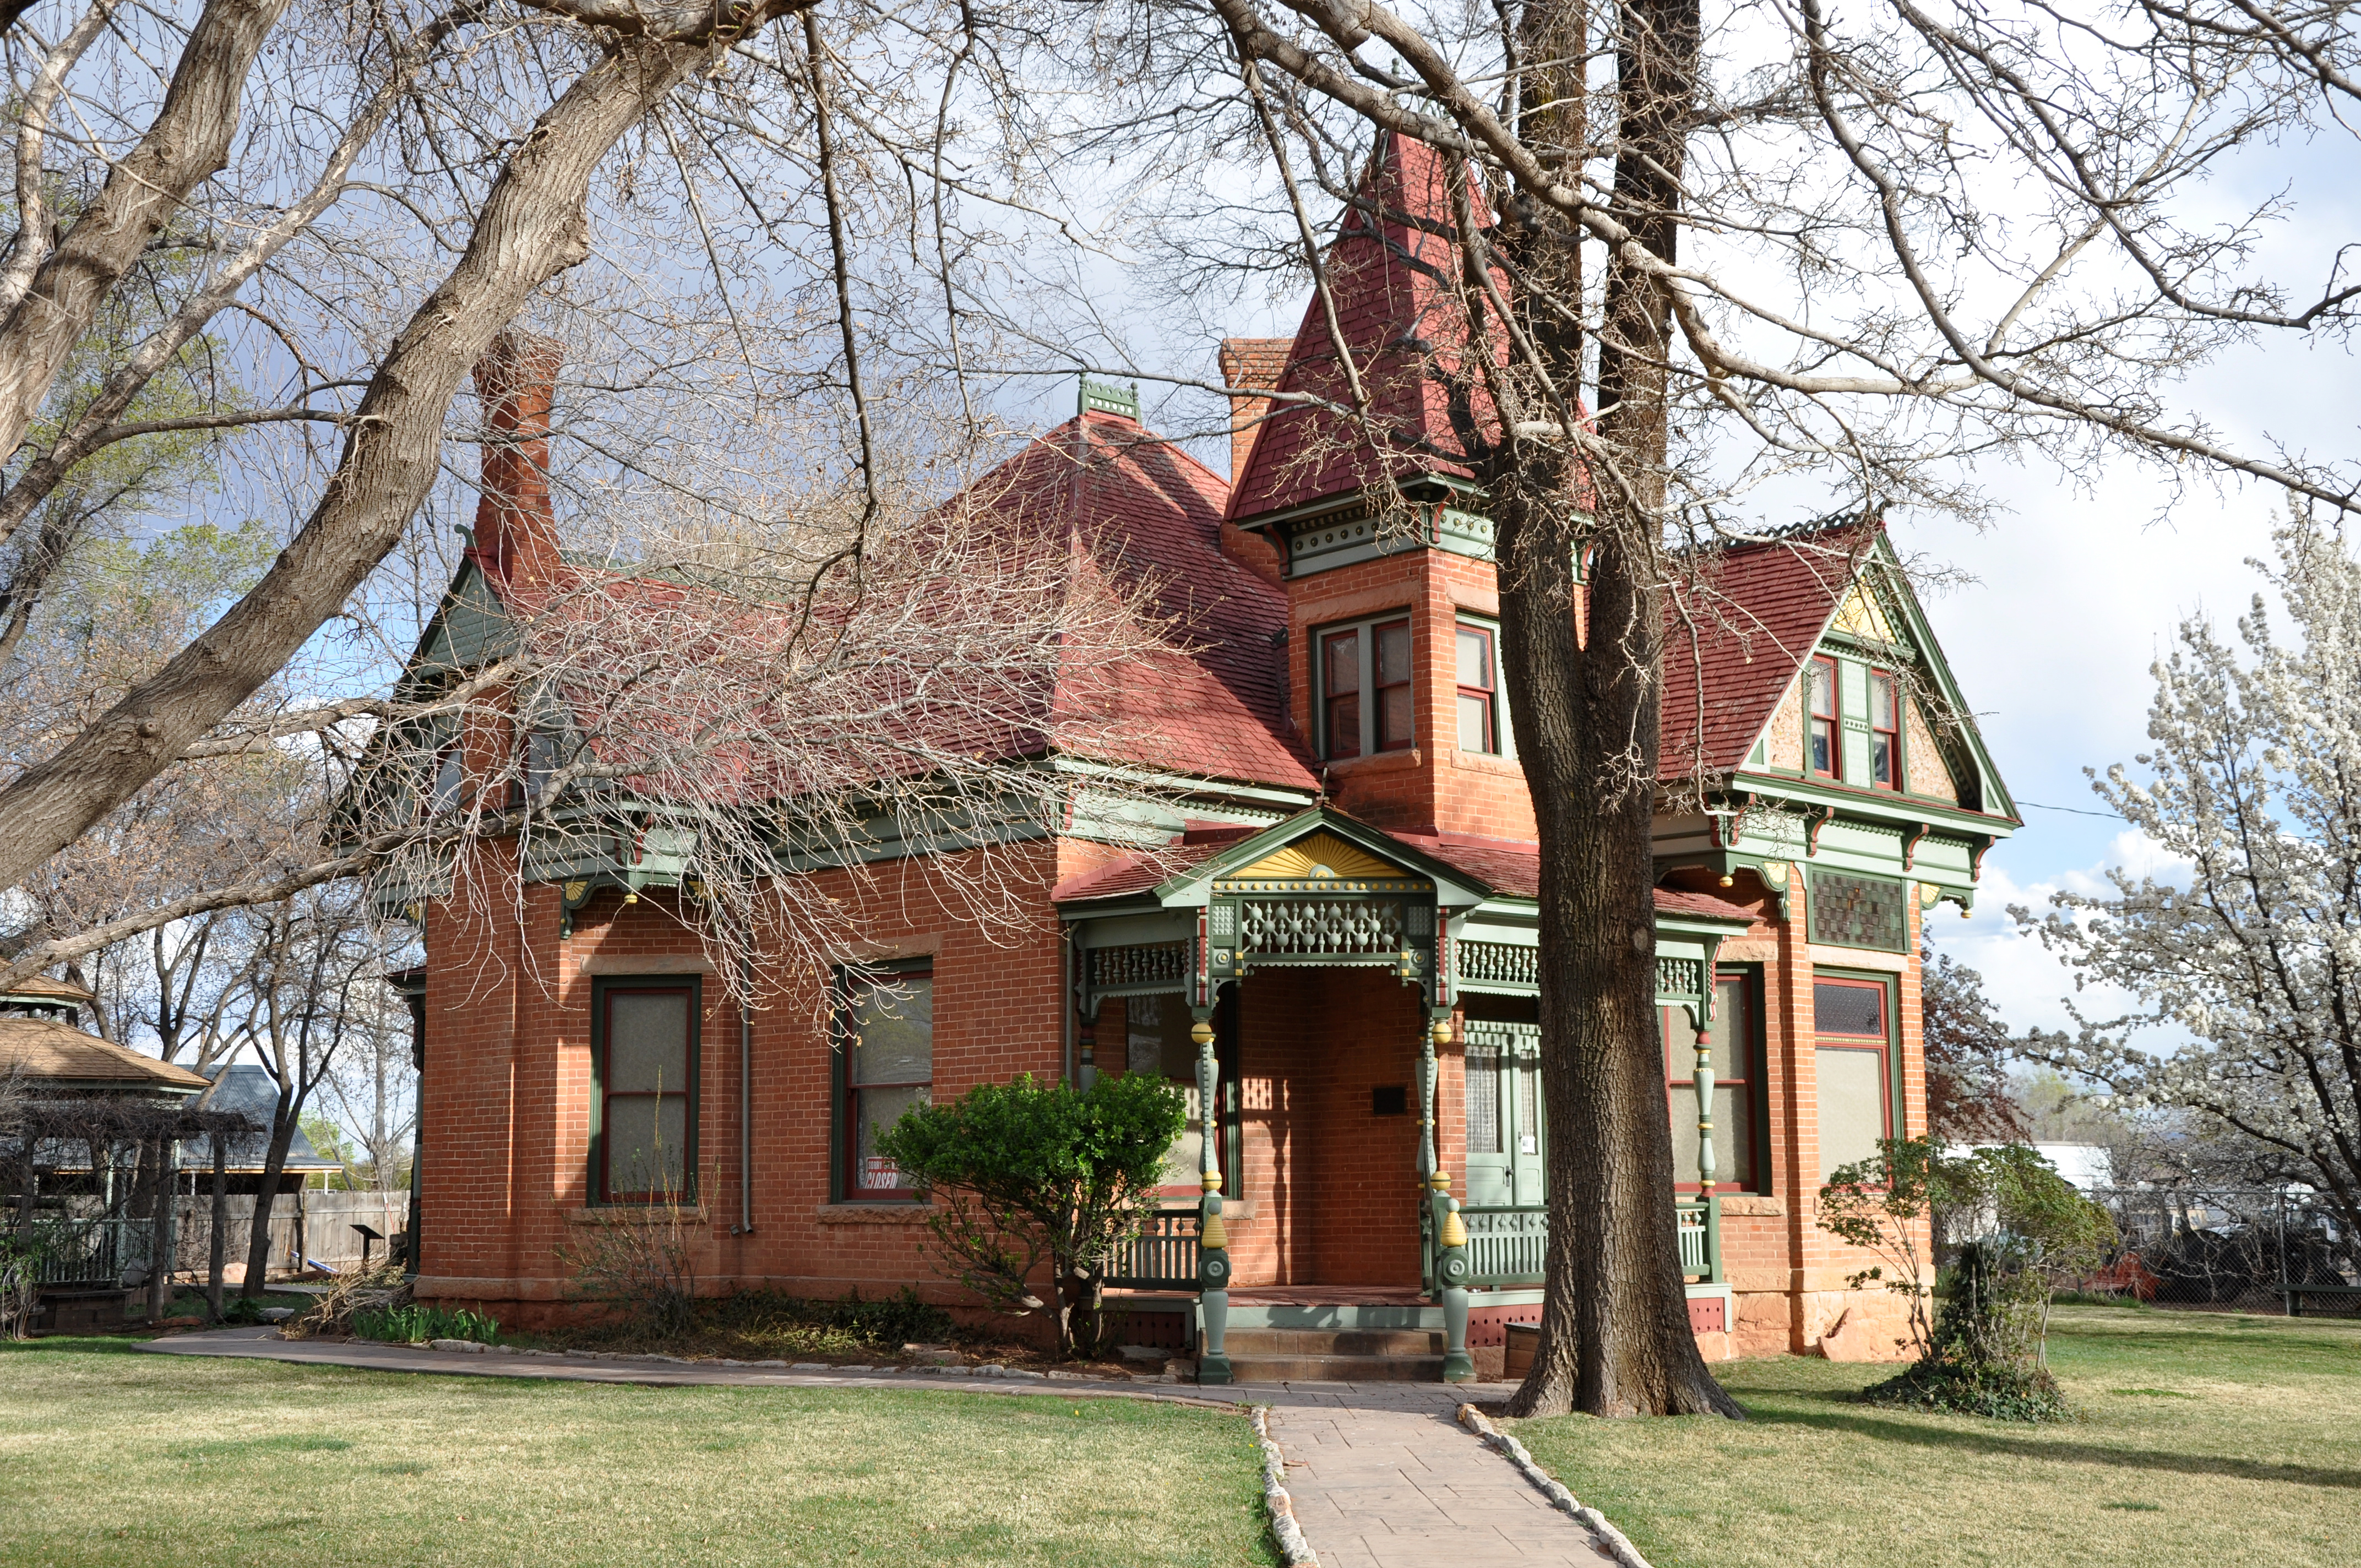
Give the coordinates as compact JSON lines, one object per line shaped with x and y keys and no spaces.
{"x":516,"y":529}
{"x":1250,"y":362}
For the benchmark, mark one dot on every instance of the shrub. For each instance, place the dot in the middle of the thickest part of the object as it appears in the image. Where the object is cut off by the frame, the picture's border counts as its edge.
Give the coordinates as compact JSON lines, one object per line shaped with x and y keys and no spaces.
{"x":409,"y":1322}
{"x":888,"y":1324}
{"x":1030,"y":1177}
{"x":642,"y":1262}
{"x":1987,"y":1353}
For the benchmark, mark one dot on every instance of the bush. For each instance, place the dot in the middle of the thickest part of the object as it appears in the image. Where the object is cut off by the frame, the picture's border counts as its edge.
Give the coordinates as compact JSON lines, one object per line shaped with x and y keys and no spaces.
{"x":642,"y":1262}
{"x":888,"y":1325}
{"x":1032,"y":1178}
{"x":1986,"y":1353}
{"x":409,"y":1322}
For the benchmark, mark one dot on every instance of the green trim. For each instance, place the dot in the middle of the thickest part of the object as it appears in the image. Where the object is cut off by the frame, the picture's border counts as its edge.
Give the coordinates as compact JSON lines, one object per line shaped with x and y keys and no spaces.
{"x":1101,"y":397}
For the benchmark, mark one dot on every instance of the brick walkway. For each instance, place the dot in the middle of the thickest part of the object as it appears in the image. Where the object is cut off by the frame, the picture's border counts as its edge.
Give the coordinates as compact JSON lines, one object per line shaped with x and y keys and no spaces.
{"x":1381,"y":1473}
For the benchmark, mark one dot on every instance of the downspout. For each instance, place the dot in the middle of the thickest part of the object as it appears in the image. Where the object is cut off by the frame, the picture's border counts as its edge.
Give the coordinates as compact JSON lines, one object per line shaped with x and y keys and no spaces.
{"x":745,"y":1226}
{"x":1066,"y":1002}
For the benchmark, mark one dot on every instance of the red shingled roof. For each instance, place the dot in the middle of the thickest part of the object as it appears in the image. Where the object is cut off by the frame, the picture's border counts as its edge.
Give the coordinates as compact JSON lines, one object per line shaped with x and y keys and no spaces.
{"x":1747,"y":620}
{"x":1148,"y":513}
{"x":1391,"y":275}
{"x":1128,"y":508}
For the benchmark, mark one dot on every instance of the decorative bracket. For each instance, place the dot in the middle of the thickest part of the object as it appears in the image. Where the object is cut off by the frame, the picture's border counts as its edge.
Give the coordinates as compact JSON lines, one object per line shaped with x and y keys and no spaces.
{"x":1910,"y":838}
{"x":1820,"y":816}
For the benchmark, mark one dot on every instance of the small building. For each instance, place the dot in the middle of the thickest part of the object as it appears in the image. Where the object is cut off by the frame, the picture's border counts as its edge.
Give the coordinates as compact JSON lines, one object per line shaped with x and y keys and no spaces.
{"x":1348,"y":900}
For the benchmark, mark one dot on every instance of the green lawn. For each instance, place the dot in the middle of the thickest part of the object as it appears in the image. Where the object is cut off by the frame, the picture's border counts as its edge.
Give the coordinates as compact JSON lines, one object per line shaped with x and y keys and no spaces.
{"x":2211,"y":1441}
{"x":111,"y":1457}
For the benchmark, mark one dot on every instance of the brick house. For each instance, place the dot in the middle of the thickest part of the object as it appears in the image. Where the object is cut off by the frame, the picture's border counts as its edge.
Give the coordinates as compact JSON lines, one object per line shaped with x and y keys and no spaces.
{"x":1345,"y":906}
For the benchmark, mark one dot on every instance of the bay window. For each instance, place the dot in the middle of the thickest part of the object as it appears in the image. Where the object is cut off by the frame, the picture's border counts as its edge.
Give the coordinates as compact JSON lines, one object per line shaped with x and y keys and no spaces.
{"x":1367,"y":700}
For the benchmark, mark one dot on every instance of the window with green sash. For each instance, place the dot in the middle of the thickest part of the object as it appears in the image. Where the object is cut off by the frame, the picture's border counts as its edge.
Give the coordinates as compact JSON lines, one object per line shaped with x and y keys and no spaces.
{"x":886,"y":1065}
{"x":644,"y":1068}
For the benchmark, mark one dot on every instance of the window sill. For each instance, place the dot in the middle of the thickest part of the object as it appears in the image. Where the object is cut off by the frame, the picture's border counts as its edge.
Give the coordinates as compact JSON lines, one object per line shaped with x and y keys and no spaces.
{"x":1488,"y":763}
{"x":888,"y":1213}
{"x":1751,"y":1204}
{"x":1379,"y":761}
{"x":636,"y":1214}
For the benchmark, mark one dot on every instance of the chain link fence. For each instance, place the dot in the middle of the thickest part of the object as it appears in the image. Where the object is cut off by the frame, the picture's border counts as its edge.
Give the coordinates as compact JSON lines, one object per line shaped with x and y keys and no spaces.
{"x":2229,"y":1249}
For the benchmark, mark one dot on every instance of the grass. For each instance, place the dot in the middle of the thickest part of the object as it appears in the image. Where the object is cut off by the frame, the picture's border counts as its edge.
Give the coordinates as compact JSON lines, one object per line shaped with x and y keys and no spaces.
{"x":111,"y":1457}
{"x":2205,"y":1439}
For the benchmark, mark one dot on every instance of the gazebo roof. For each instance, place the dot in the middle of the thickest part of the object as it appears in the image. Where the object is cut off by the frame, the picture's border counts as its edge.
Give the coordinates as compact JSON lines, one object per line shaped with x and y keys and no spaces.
{"x":56,"y":1055}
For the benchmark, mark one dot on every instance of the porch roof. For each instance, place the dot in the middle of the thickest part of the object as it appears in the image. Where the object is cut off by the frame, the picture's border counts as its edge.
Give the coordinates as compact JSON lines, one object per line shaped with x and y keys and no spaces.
{"x":1498,"y":868}
{"x":59,"y":1055}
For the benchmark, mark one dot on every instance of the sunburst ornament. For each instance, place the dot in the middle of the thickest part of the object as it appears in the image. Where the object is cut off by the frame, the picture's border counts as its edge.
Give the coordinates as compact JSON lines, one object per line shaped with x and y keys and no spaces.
{"x":1322,"y":857}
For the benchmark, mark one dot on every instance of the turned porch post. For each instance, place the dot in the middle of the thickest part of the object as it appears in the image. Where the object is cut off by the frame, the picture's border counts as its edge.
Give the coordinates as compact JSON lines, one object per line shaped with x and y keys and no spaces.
{"x":1450,"y":1231}
{"x":1213,"y":1241}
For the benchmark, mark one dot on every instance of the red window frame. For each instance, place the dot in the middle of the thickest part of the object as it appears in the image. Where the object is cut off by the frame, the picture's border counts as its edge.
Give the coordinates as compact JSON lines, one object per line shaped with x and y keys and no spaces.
{"x":1882,"y":682}
{"x":848,"y":1099}
{"x":1817,"y":724}
{"x":1881,"y":1043}
{"x":1488,"y":693}
{"x":1680,"y":1048}
{"x":1340,"y":711}
{"x":1383,"y":710}
{"x":1389,"y":739}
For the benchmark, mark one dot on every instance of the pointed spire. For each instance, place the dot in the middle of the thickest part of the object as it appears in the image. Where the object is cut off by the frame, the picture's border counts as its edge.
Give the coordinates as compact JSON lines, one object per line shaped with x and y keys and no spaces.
{"x":1393,"y":274}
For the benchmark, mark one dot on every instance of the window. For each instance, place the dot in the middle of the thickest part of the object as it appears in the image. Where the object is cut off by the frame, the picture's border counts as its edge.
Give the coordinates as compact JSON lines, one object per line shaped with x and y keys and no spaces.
{"x":1737,"y":1111}
{"x":1885,"y":731}
{"x":1820,"y":744}
{"x":1479,"y":713}
{"x":887,"y":1026}
{"x":645,"y":1060}
{"x":1371,"y":661}
{"x":1157,"y":1040}
{"x":1852,"y":1022}
{"x":1340,"y":658}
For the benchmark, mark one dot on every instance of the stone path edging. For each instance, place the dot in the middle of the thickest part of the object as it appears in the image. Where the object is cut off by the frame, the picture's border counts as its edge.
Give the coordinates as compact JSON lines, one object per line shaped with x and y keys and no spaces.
{"x":1292,"y":1548}
{"x":1616,"y":1544}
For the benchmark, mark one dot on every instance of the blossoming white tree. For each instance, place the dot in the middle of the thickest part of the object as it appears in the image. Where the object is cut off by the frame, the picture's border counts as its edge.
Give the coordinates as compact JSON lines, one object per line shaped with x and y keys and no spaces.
{"x":2255,"y":780}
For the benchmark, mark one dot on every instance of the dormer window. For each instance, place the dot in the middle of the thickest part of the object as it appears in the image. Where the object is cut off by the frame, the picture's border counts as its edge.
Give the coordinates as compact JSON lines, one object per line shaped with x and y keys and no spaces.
{"x":1370,"y":662}
{"x":1885,"y":731}
{"x":1821,"y":747}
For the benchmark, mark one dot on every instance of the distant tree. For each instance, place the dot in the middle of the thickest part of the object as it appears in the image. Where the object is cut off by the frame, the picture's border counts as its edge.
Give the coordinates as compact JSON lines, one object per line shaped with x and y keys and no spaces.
{"x":2251,"y":972}
{"x":1968,"y":1093}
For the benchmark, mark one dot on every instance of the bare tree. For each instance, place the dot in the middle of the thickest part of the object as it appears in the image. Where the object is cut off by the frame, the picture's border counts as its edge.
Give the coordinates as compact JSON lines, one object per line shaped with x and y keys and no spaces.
{"x":1701,"y":257}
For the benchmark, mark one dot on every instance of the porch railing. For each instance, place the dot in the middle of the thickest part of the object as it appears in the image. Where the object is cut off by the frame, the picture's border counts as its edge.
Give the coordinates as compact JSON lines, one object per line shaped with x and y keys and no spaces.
{"x":89,"y":1251}
{"x":1162,"y":1256}
{"x":1507,"y":1244}
{"x":1699,"y":1230}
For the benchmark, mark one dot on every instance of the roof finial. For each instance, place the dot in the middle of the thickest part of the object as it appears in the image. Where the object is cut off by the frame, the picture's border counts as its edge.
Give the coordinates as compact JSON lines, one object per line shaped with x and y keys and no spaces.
{"x":1099,"y":396}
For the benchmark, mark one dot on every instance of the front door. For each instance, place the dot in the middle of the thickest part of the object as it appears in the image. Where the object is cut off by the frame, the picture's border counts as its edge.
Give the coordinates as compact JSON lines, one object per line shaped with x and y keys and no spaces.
{"x":1504,"y":1113}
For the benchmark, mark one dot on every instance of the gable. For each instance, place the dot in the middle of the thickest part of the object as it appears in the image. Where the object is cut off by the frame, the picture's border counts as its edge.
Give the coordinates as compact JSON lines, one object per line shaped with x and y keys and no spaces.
{"x":1876,"y":623}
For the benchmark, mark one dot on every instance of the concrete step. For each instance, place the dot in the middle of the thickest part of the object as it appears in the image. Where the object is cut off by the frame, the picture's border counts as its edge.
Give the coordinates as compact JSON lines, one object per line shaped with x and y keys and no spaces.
{"x":1335,"y":1369}
{"x":1272,"y":1341}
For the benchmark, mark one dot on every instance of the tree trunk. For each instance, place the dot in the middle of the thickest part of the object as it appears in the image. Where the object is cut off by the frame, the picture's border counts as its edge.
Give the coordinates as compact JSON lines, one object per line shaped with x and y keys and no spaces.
{"x":532,"y":227}
{"x":1615,"y":1337}
{"x":266,"y":1195}
{"x":217,"y":1244}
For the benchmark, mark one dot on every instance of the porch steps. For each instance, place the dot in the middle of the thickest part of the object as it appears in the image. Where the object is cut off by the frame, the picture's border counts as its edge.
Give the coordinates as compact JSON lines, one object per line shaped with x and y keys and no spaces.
{"x":1334,"y":1356}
